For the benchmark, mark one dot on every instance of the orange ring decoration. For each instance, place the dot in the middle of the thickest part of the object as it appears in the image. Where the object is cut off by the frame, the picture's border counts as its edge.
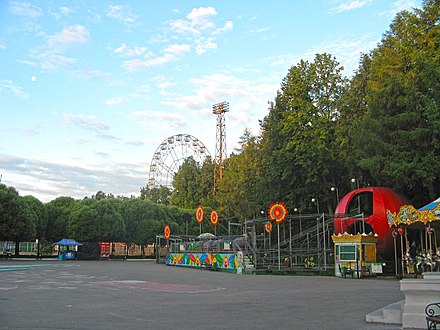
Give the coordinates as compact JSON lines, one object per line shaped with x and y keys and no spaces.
{"x":199,"y":214}
{"x":277,"y":212}
{"x":268,"y":227}
{"x":167,"y":231}
{"x":214,"y":217}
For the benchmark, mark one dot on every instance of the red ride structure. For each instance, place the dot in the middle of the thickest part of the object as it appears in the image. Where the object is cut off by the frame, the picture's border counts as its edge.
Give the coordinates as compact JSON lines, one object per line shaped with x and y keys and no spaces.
{"x":372,"y":202}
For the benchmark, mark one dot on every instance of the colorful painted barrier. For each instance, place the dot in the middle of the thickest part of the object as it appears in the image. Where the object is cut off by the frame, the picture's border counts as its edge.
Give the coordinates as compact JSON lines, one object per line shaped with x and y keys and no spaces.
{"x":203,"y":260}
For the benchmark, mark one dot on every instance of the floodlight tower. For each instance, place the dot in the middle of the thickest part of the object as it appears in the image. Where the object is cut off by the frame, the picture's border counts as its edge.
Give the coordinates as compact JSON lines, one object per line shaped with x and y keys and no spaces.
{"x":220,"y":109}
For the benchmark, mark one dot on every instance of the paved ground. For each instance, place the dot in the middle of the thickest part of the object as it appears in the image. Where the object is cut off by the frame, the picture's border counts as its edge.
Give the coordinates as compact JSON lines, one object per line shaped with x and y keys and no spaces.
{"x":144,"y":295}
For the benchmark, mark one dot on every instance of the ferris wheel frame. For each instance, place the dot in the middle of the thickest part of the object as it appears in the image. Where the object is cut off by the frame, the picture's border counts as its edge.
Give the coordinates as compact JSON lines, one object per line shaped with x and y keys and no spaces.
{"x":170,"y":155}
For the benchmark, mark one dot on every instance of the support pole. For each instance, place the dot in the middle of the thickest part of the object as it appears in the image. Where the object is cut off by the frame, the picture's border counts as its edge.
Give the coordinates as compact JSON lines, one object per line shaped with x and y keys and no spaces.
{"x":279,"y":254}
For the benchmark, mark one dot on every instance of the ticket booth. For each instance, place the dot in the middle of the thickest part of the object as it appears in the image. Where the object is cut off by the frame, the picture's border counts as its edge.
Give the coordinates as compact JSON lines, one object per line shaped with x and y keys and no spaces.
{"x":355,"y":255}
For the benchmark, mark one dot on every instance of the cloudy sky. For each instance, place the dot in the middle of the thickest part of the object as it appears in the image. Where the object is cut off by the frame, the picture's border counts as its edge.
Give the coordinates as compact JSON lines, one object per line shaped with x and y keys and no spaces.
{"x":90,"y":89}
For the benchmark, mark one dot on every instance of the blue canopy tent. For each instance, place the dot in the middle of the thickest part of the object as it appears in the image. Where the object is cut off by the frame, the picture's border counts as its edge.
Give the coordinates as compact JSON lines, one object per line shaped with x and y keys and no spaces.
{"x":67,"y":255}
{"x":68,"y":242}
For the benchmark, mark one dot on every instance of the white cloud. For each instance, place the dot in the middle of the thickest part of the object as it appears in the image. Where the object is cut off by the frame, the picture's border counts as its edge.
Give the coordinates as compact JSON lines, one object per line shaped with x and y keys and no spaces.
{"x":62,"y":11}
{"x":121,"y":13}
{"x":49,"y":179}
{"x":86,"y":122}
{"x":198,"y":16}
{"x":50,"y":56}
{"x":126,"y":51}
{"x":25,"y":9}
{"x":227,"y":27}
{"x":10,"y":86}
{"x":398,"y":6}
{"x":177,"y":49}
{"x":205,"y":44}
{"x":346,"y":51}
{"x":50,"y":61}
{"x":117,"y":100}
{"x":197,"y":21}
{"x":158,"y":119}
{"x":65,"y":10}
{"x":138,"y":65}
{"x":196,"y":29}
{"x":71,"y":35}
{"x":349,"y":5}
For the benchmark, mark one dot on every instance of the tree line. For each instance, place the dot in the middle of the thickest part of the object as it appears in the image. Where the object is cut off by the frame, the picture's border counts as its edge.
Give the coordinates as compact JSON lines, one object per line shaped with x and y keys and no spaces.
{"x":380,"y":127}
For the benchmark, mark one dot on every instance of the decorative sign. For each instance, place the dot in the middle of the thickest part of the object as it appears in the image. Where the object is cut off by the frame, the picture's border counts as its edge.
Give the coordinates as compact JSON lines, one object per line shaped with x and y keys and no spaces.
{"x":277,"y":212}
{"x":199,"y":214}
{"x":376,"y":268}
{"x":167,"y":231}
{"x":268,"y":227}
{"x":214,"y":217}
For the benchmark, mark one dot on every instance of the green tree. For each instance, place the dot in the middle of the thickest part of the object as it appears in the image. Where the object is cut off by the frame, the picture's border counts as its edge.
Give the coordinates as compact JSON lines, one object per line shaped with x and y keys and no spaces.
{"x":96,"y":220}
{"x":238,"y":193}
{"x":397,"y":141}
{"x":17,"y":219}
{"x":58,"y":212}
{"x":159,"y":195}
{"x":186,"y":185}
{"x":299,"y":133}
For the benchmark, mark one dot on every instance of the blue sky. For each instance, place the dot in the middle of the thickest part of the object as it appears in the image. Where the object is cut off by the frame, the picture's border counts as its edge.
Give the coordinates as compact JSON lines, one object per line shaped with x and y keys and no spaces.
{"x":89,"y":89}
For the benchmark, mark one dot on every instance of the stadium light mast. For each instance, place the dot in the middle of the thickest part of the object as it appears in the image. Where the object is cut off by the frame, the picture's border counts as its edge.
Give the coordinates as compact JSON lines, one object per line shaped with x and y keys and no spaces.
{"x":219,"y":110}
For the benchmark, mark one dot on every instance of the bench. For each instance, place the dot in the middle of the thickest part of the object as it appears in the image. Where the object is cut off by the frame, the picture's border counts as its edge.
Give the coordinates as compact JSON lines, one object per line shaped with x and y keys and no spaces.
{"x":432,"y":312}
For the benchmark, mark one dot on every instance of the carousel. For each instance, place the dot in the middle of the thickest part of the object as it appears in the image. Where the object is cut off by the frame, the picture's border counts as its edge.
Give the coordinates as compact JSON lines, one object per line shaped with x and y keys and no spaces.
{"x":416,"y":238}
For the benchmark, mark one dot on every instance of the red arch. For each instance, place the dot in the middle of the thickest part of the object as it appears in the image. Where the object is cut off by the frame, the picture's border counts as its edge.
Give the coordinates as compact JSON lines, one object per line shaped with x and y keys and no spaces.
{"x":383,"y":199}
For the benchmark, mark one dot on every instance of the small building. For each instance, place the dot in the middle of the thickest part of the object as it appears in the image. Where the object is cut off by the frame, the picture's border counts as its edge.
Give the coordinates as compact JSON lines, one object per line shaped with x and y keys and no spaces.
{"x":355,"y":255}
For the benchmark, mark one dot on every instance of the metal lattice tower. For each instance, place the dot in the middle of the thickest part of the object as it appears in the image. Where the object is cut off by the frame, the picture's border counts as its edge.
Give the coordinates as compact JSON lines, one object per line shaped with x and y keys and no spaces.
{"x":220,"y":109}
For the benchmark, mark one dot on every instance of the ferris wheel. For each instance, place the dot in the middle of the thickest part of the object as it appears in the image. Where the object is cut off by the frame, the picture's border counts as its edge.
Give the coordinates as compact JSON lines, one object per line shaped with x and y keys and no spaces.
{"x":171,"y":154}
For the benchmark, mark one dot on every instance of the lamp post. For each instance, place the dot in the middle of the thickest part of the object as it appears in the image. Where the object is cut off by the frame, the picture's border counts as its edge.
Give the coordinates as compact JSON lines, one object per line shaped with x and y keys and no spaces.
{"x":337,"y":193}
{"x":300,"y":225}
{"x":355,"y":181}
{"x":358,"y":199}
{"x":315,"y":200}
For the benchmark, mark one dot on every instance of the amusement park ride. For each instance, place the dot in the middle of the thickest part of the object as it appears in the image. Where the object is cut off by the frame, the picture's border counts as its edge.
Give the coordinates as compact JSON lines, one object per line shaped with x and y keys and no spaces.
{"x":372,"y":231}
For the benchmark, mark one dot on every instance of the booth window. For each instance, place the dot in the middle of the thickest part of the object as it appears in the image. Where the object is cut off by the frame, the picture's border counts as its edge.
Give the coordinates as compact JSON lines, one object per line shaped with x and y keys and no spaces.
{"x":346,"y":252}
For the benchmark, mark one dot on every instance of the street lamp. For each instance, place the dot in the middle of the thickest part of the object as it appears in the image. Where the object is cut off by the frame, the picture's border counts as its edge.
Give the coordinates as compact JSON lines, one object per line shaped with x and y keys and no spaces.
{"x":355,"y":181}
{"x":358,"y":199}
{"x":337,"y":192}
{"x":300,"y":225}
{"x":315,"y":200}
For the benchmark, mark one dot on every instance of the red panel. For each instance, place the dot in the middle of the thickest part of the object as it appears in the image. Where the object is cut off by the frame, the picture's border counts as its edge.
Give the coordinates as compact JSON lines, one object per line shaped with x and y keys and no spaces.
{"x":383,"y":199}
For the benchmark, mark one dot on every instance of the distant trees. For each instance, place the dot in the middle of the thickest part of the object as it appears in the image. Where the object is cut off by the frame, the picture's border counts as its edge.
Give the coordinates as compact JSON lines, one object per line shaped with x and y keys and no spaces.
{"x":100,"y":218}
{"x":17,"y":217}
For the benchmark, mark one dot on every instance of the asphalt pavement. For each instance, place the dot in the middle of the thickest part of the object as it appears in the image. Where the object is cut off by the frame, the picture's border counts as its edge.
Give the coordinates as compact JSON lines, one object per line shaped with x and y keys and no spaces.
{"x":145,"y":295}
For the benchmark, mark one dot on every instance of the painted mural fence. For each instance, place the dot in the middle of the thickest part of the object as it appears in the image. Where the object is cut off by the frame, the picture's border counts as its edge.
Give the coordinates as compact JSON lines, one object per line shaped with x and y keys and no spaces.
{"x":204,"y":260}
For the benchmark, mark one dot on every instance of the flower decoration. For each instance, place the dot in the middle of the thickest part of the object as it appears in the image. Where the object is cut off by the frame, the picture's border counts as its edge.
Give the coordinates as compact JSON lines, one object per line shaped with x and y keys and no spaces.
{"x":268,"y":227}
{"x":214,"y":217}
{"x":199,"y":214}
{"x":167,"y":231}
{"x":277,"y":212}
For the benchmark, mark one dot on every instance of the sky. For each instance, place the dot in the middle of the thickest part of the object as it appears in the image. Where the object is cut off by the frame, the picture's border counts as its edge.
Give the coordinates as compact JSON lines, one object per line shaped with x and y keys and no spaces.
{"x":90,"y":89}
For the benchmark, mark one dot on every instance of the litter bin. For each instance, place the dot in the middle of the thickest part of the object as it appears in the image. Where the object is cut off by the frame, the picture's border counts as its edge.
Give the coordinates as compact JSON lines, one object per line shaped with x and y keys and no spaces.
{"x":60,"y":257}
